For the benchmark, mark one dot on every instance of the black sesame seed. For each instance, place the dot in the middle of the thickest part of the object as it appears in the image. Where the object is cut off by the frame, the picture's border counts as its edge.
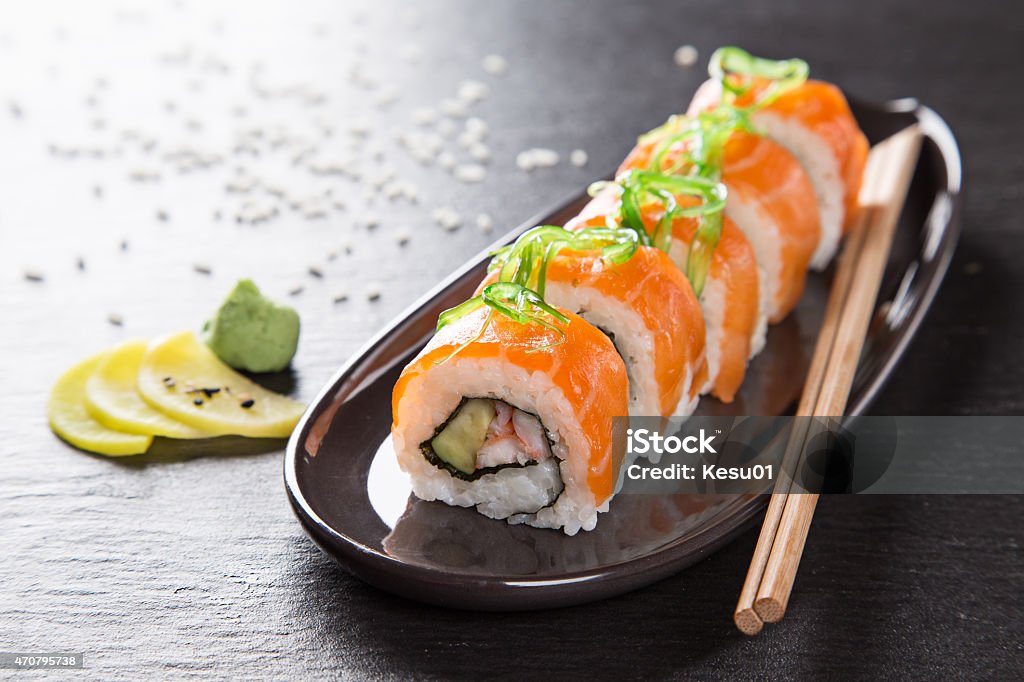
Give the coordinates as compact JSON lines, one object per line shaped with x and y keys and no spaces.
{"x":248,"y":403}
{"x":210,"y":392}
{"x":197,"y":401}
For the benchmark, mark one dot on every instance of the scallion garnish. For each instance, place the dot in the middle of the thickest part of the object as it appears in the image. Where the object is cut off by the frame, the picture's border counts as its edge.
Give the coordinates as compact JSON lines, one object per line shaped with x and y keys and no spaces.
{"x":738,"y":71}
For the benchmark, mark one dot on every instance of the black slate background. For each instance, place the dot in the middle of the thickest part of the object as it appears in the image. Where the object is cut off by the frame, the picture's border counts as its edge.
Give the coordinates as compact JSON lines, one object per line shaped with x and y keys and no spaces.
{"x":174,"y":566}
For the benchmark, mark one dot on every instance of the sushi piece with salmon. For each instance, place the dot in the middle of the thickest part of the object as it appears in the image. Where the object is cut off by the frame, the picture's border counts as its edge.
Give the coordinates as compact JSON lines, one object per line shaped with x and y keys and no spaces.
{"x":735,"y":315}
{"x":513,"y":417}
{"x":811,"y":119}
{"x":770,"y":198}
{"x":636,"y":295}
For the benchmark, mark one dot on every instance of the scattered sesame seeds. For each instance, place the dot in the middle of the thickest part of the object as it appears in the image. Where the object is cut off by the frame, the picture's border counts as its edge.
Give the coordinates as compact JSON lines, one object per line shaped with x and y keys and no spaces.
{"x":124,"y":245}
{"x":202,"y":269}
{"x":34,"y":276}
{"x":296,"y":290}
{"x":162,"y":216}
{"x":484,"y":222}
{"x":246,"y":404}
{"x":578,"y":158}
{"x":403,"y":237}
{"x":470,"y":172}
{"x":80,"y":263}
{"x":686,"y":56}
{"x":495,"y":64}
{"x":197,"y":401}
{"x":115,"y":319}
{"x":341,"y":297}
{"x":314,"y":271}
{"x":373,"y":292}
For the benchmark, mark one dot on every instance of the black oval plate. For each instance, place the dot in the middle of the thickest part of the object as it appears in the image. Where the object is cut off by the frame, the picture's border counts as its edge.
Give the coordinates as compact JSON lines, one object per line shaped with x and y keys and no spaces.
{"x":357,"y":505}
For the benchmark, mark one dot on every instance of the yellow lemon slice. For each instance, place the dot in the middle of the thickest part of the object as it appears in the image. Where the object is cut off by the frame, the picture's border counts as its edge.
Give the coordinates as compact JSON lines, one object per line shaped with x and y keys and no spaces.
{"x":181,"y":377}
{"x":70,"y":420}
{"x":113,"y":400}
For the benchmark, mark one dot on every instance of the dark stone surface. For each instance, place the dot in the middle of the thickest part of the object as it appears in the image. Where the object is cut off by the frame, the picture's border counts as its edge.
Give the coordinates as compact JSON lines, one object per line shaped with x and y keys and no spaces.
{"x":190,"y":562}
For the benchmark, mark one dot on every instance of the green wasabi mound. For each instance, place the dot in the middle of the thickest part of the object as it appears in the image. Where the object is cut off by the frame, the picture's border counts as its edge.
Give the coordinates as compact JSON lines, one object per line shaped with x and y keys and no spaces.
{"x":251,"y":332}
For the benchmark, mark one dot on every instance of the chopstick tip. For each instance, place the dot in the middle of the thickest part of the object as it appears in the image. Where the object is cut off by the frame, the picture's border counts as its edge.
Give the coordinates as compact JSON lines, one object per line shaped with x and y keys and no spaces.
{"x":748,"y":622}
{"x":769,"y":609}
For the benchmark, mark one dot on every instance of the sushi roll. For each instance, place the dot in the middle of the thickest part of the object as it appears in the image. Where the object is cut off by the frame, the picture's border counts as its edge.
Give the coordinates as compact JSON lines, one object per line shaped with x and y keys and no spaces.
{"x":514,"y":418}
{"x":735,"y":316}
{"x":812,"y":119}
{"x":771,"y":199}
{"x":643,"y":302}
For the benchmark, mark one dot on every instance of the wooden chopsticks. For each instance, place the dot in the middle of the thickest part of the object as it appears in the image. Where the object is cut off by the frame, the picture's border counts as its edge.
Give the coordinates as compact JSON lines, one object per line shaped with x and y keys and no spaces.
{"x":773,"y":567}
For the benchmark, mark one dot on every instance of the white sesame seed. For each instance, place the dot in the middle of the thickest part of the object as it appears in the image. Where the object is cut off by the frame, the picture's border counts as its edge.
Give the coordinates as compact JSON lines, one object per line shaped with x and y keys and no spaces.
{"x":361,"y":128}
{"x":473,"y":91}
{"x":446,"y":160}
{"x":686,"y":56}
{"x":544,"y":158}
{"x":386,"y":96}
{"x":578,"y":158}
{"x":495,"y":64}
{"x":454,"y":107}
{"x":447,"y":217}
{"x":476,"y":125}
{"x":480,"y":152}
{"x":470,"y":172}
{"x":373,"y":292}
{"x":369,"y":220}
{"x":467,"y":138}
{"x":403,"y":237}
{"x":538,"y":157}
{"x":484,"y":222}
{"x":424,"y":115}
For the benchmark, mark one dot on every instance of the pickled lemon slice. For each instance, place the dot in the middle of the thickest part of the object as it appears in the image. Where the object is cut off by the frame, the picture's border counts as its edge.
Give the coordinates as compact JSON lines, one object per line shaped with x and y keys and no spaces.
{"x":183,"y":378}
{"x":70,"y":420}
{"x":113,"y":400}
